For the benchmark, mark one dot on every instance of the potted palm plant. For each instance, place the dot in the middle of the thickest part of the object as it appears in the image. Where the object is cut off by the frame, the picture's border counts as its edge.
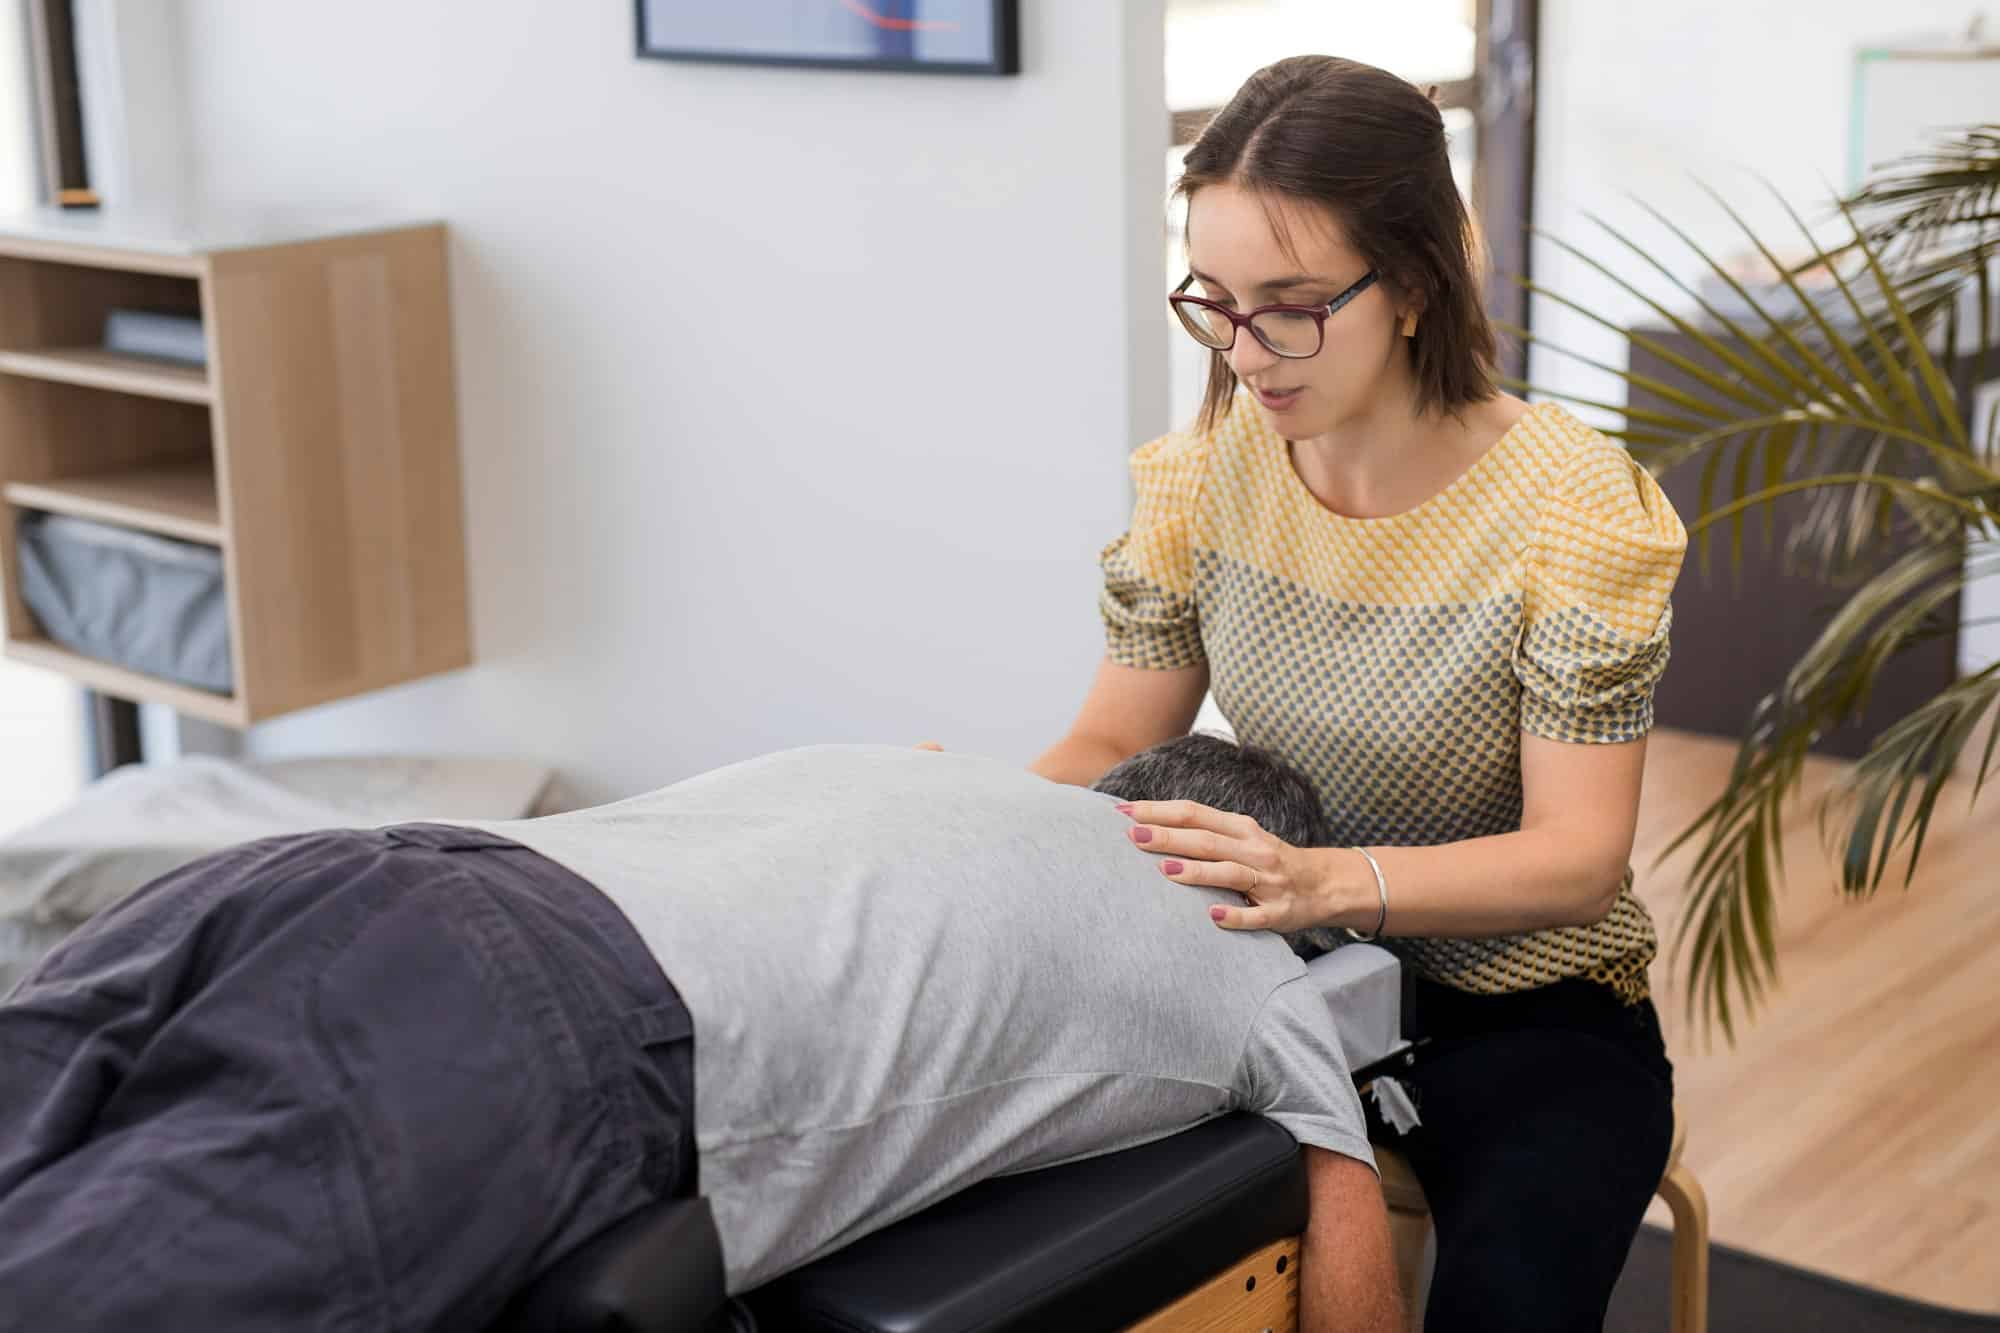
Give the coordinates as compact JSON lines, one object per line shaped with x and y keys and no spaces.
{"x":1830,"y":385}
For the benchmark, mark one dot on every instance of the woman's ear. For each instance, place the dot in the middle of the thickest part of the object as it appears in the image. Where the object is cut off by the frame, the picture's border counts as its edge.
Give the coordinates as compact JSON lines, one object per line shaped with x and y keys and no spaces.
{"x":1409,"y":306}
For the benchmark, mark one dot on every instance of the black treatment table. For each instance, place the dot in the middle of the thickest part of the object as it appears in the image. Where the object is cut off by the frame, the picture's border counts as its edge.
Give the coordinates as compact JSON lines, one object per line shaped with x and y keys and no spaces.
{"x":1199,"y":1228}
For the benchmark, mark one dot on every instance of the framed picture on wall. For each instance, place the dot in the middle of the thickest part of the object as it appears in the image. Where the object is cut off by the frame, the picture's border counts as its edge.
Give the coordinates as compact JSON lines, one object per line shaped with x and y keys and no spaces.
{"x":58,"y":108}
{"x":938,"y":36}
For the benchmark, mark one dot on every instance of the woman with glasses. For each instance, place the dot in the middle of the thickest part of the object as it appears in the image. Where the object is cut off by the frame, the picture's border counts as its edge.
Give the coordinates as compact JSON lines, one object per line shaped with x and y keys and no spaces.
{"x":1450,"y":608}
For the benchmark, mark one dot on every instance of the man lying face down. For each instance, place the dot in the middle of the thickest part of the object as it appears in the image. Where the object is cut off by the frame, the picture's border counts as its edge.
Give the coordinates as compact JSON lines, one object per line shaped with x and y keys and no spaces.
{"x":382,"y":1079}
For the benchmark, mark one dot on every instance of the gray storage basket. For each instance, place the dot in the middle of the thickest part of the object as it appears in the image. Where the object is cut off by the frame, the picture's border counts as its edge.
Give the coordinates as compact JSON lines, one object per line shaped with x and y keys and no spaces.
{"x":145,"y":603}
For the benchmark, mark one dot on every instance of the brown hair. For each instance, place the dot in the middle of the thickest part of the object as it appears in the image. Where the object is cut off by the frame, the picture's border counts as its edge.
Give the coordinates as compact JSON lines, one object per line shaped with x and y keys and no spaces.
{"x":1370,"y":148}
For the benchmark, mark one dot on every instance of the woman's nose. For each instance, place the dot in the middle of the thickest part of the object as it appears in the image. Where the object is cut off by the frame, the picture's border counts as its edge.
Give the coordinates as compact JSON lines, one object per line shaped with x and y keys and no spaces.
{"x":1249,"y":357}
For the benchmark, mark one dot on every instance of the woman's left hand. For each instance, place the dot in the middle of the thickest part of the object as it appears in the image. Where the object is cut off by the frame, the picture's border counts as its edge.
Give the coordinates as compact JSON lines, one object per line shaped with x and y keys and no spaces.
{"x":1215,"y":849}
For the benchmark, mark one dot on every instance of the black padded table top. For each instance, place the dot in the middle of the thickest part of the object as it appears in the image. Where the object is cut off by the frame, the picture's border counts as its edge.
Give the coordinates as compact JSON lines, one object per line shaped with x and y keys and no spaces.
{"x":1095,"y":1244}
{"x":1099,"y":1243}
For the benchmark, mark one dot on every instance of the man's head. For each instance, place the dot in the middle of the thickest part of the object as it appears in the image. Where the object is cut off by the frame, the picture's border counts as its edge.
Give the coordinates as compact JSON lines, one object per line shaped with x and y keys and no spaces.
{"x":1241,"y":779}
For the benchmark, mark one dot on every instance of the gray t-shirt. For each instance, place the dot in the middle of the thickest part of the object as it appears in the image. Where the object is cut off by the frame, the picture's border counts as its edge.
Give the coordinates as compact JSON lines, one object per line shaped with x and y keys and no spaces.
{"x":909,"y":971}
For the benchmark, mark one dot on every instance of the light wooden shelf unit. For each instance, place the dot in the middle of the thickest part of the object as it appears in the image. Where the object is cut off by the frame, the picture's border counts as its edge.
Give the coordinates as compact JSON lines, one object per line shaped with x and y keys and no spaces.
{"x":318,"y":450}
{"x":174,"y":498}
{"x":95,"y":368}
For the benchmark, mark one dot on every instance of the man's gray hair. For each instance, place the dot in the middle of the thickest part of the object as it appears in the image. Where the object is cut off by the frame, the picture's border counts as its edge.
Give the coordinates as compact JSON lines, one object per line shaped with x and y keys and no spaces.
{"x":1242,"y":779}
{"x":1219,"y":772}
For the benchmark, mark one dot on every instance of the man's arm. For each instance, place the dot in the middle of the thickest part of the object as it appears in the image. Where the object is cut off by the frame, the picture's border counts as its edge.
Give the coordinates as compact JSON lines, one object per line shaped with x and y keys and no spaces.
{"x":1347,"y":1267}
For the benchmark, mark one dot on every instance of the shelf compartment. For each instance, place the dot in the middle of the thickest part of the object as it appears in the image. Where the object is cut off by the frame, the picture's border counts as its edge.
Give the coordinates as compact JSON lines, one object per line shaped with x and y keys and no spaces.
{"x":95,"y":368}
{"x":174,"y":498}
{"x":328,"y":408}
{"x":224,"y":710}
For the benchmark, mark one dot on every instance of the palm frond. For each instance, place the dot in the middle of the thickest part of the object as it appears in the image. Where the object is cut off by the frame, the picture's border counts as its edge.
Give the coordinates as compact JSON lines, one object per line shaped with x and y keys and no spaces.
{"x":1828,"y":394}
{"x":1918,"y":199}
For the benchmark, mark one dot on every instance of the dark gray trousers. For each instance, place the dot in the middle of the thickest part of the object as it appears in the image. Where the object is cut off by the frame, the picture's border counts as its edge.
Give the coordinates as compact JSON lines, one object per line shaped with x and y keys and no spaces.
{"x":348,"y":1080}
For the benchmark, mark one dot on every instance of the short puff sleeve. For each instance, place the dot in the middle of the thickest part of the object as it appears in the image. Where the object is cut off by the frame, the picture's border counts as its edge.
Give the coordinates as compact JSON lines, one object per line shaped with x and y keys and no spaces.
{"x":1600,"y":569}
{"x":1148,"y":603}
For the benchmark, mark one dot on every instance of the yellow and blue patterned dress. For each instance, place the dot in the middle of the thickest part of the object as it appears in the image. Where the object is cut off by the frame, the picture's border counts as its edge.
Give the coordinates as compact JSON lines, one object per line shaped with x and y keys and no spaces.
{"x":1397,"y":660}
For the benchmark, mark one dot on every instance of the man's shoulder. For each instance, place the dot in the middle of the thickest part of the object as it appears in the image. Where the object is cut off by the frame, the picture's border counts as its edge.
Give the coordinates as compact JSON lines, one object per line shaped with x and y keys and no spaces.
{"x":1293,"y":1019}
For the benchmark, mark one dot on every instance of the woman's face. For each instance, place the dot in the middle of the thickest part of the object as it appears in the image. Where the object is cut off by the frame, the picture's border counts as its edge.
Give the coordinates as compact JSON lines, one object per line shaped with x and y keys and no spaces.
{"x":1237,"y":261}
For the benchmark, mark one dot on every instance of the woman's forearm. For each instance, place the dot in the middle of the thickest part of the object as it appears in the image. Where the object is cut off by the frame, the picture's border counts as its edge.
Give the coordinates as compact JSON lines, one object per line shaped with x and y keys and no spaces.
{"x":1078,"y":760}
{"x":1506,"y":884}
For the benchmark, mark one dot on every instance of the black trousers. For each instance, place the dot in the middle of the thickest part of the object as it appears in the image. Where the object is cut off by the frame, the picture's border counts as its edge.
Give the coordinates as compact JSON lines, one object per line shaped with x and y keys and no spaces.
{"x":1546,"y":1117}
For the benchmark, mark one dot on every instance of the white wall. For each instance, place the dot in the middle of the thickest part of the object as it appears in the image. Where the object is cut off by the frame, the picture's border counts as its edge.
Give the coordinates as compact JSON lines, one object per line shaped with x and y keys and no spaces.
{"x":736,"y":477}
{"x":17,"y":157}
{"x":41,"y":722}
{"x":693,"y":540}
{"x":1650,"y":100}
{"x":129,"y":72}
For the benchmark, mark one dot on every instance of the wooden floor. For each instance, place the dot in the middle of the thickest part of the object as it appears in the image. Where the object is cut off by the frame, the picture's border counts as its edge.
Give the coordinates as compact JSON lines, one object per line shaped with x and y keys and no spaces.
{"x":1854,"y":1128}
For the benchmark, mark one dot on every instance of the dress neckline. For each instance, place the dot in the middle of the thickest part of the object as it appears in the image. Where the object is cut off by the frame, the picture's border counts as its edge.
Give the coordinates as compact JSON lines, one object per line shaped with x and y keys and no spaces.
{"x":1464,"y":481}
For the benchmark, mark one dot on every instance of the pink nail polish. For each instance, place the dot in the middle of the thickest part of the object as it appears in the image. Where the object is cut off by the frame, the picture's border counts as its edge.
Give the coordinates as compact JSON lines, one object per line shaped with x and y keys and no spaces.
{"x":1217,"y":913}
{"x":1173,"y":867}
{"x":1124,"y":809}
{"x":1142,"y":835}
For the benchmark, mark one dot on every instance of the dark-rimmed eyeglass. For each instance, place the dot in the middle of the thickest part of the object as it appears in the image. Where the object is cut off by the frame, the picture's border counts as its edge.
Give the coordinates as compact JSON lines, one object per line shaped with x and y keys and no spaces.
{"x":1293,"y":331}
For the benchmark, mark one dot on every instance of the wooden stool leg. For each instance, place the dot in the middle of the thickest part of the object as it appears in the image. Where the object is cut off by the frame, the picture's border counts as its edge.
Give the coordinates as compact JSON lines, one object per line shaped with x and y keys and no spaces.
{"x":1684,"y":1196}
{"x":1409,"y":1228}
{"x":1410,"y":1234}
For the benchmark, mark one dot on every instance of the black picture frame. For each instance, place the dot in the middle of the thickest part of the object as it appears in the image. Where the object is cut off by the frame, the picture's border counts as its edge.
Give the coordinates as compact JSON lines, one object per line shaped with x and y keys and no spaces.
{"x":1001,"y":57}
{"x":58,"y":117}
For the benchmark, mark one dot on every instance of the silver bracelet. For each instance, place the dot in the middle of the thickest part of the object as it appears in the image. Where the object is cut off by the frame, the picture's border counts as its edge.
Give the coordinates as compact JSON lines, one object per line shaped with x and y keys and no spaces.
{"x":1382,"y":890}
